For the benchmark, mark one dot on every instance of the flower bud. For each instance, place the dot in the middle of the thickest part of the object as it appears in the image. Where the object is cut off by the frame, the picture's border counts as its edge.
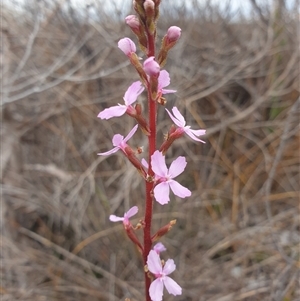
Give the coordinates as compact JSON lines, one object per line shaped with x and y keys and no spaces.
{"x":151,"y":67}
{"x":149,"y":8}
{"x":173,"y":34}
{"x":150,"y":12}
{"x":168,"y":41}
{"x":127,"y":46}
{"x":133,"y":22}
{"x":138,"y":7}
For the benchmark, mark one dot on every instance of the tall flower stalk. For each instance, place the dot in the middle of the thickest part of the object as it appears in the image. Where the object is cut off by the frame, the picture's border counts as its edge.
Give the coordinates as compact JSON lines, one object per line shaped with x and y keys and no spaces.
{"x":159,"y":180}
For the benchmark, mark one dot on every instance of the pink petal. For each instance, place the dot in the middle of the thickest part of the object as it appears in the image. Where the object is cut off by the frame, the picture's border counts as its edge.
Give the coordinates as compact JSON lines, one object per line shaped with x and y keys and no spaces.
{"x":156,"y":290}
{"x":112,"y":151}
{"x":114,"y":218}
{"x":159,"y":164}
{"x":169,"y":267}
{"x":151,"y":67}
{"x":131,"y":212}
{"x":159,"y":247}
{"x":131,"y":133}
{"x":172,"y":286}
{"x":177,"y":167}
{"x":166,"y":91}
{"x":176,"y":121}
{"x":154,"y":263}
{"x":161,"y":193}
{"x":133,"y":92}
{"x":145,"y":163}
{"x":163,"y":79}
{"x":198,"y":132}
{"x":179,"y":190}
{"x":178,"y":115}
{"x":192,"y":135}
{"x":114,"y":111}
{"x":127,"y":46}
{"x":117,"y":140}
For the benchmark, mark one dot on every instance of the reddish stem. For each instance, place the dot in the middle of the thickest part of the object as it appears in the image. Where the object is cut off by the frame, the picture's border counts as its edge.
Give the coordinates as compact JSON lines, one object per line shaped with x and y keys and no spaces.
{"x":149,"y":185}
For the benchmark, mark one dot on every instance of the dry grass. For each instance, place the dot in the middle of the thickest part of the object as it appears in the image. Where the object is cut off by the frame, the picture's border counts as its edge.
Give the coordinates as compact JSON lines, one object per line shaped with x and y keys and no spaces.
{"x":236,"y":238}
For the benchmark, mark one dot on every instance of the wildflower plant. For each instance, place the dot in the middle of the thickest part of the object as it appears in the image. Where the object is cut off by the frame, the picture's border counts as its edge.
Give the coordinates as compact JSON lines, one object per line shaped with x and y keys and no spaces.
{"x":158,"y":178}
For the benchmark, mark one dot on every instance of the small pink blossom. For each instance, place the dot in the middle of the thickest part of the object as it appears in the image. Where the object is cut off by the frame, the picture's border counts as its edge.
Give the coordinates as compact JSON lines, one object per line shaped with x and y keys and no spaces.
{"x":179,"y":120}
{"x":130,"y":97}
{"x":164,"y":178}
{"x":127,"y":46}
{"x":119,"y":142}
{"x":159,"y":247}
{"x":161,"y":273}
{"x":173,"y":33}
{"x":151,"y":67}
{"x":164,"y":81}
{"x":127,"y":215}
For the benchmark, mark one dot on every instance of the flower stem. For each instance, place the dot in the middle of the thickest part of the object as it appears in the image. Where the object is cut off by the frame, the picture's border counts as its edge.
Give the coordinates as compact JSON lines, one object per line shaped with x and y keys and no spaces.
{"x":149,"y":185}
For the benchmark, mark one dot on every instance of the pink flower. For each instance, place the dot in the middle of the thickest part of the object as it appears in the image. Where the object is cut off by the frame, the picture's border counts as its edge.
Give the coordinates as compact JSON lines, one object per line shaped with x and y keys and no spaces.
{"x":165,"y":178}
{"x":151,"y":67}
{"x":179,"y":120}
{"x":173,"y":34}
{"x":127,"y":215}
{"x":164,"y":81}
{"x":159,"y":247}
{"x":120,"y":142}
{"x":127,"y":46}
{"x":130,"y":97}
{"x":162,"y":279}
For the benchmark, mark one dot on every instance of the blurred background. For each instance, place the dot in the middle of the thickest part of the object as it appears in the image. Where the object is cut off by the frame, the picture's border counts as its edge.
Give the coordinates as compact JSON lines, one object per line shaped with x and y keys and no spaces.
{"x":236,"y":71}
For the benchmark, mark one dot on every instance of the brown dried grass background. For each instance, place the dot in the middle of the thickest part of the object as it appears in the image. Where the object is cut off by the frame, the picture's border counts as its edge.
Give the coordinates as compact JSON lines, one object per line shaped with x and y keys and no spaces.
{"x":236,"y":237}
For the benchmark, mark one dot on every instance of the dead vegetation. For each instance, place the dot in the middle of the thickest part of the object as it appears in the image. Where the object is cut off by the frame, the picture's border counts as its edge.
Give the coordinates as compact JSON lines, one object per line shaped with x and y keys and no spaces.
{"x":236,"y":238}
